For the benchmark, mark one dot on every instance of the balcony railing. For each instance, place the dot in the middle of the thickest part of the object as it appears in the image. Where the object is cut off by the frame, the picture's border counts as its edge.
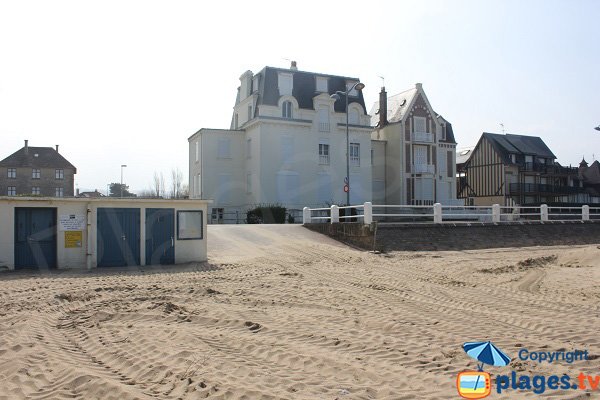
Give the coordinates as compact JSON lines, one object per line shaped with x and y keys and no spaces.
{"x":324,"y":127}
{"x":532,"y":188}
{"x":423,"y":169}
{"x":547,"y":168}
{"x":423,"y":137}
{"x":324,"y":159}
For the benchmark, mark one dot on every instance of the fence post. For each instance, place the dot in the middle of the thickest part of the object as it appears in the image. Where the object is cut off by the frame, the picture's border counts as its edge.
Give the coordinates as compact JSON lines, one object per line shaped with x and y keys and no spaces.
{"x":368,"y":216}
{"x":495,"y":213}
{"x":544,"y":212}
{"x":585,"y":213}
{"x":335,"y":214}
{"x":437,"y":213}
{"x":306,"y":215}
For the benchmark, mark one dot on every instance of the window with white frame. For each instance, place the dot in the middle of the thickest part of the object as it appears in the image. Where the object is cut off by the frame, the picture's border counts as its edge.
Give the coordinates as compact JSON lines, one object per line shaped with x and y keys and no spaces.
{"x":286,"y":109}
{"x":248,"y":183}
{"x":287,"y":148}
{"x":59,"y":174}
{"x":12,"y":173}
{"x":420,"y":124}
{"x":353,"y":116}
{"x":248,"y":148}
{"x":355,"y":154}
{"x":322,"y":84}
{"x":12,"y":191}
{"x":59,"y":192}
{"x":36,"y":173}
{"x":35,"y":190}
{"x":286,"y":83}
{"x":224,"y":148}
{"x":323,"y":119}
{"x":323,"y":153}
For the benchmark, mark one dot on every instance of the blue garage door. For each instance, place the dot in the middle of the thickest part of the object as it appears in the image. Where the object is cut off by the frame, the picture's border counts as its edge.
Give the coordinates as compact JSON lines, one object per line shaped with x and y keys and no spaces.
{"x":160,"y":236}
{"x":35,"y":237}
{"x":118,"y":237}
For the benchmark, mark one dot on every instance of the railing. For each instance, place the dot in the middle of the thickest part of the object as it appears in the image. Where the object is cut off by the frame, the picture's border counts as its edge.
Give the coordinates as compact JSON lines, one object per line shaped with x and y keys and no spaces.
{"x":324,"y":159}
{"x":424,"y":137}
{"x":547,"y":168}
{"x":423,"y":169}
{"x":543,"y":188}
{"x":439,"y":213}
{"x":324,"y":126}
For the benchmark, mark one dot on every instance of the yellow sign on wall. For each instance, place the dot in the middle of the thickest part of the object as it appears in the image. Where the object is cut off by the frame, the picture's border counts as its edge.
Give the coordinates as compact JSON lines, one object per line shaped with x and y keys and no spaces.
{"x":73,"y":239}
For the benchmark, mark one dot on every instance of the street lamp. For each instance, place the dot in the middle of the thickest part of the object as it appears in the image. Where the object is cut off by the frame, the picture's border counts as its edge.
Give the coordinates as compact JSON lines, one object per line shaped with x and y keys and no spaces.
{"x":122,"y":166}
{"x":597,"y":128}
{"x":337,"y":95}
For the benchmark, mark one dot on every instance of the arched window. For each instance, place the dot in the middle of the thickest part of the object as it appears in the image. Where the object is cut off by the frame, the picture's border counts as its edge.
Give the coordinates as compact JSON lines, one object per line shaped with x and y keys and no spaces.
{"x":286,"y":109}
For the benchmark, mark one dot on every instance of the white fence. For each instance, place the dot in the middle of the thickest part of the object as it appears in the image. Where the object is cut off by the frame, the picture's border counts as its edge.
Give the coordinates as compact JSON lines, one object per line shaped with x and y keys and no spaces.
{"x":438,"y":213}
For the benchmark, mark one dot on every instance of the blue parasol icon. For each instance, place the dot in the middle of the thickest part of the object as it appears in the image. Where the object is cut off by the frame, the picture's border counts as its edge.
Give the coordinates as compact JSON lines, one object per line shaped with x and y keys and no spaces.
{"x":487,"y":353}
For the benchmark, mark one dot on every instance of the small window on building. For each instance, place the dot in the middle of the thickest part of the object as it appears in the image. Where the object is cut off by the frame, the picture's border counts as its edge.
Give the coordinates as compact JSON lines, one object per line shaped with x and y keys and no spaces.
{"x":323,"y":119}
{"x":420,"y":124}
{"x":35,"y":190}
{"x":286,"y":111}
{"x":223,"y":149}
{"x":353,"y":117}
{"x":513,"y":158}
{"x":542,"y":160}
{"x":528,"y":159}
{"x":12,"y":173}
{"x":249,"y":112}
{"x":59,"y":192}
{"x":59,"y":173}
{"x":249,"y":148}
{"x":36,"y":173}
{"x":285,"y":84}
{"x":12,"y":191}
{"x":355,"y":154}
{"x":189,"y":225}
{"x":323,"y":153}
{"x":322,"y":84}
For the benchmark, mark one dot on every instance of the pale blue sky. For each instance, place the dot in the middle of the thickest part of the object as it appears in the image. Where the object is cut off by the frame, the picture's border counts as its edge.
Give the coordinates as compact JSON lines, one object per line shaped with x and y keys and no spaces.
{"x":127,"y":82}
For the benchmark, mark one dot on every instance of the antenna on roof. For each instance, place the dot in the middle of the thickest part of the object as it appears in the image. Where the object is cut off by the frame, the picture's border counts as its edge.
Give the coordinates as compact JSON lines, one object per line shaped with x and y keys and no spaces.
{"x":502,"y":125}
{"x":382,"y":80}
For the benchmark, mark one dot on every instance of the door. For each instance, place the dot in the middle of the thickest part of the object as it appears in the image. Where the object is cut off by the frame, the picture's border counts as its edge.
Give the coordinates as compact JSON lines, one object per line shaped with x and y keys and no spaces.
{"x":35,"y":238}
{"x":118,"y":240}
{"x":160,"y":236}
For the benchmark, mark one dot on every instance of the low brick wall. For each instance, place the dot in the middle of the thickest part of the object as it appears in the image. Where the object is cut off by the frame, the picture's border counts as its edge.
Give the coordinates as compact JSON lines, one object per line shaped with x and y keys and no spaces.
{"x":358,"y":234}
{"x":448,"y":236}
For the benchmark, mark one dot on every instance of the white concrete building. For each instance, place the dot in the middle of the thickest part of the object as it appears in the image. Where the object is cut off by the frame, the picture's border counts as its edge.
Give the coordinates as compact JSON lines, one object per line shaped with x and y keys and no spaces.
{"x":48,"y":233}
{"x":287,"y":144}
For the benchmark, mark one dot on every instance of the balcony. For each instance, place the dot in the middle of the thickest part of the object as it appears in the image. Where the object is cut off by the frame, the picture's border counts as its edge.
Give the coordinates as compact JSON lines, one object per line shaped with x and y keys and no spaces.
{"x":550,"y":169}
{"x":323,"y":159}
{"x":534,"y":188}
{"x":422,"y":137}
{"x":423,"y":169}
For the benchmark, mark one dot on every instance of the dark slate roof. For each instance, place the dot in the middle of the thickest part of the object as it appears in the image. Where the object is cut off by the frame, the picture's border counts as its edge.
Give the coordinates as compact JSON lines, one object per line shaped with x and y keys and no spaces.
{"x":591,"y":174}
{"x":519,"y":144}
{"x":47,"y":157}
{"x":304,"y":88}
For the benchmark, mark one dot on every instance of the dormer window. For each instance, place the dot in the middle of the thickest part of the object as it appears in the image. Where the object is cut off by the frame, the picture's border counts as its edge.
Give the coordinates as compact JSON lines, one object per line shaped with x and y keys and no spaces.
{"x":285,"y":83}
{"x":322,"y":84}
{"x":286,"y":110}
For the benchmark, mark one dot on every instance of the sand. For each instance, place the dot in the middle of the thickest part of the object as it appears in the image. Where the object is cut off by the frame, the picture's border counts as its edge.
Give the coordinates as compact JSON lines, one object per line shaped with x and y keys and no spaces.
{"x":284,"y":313}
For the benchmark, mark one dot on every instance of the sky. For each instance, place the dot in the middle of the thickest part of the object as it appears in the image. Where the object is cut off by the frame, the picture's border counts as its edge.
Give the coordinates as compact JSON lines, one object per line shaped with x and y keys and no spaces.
{"x":127,"y":82}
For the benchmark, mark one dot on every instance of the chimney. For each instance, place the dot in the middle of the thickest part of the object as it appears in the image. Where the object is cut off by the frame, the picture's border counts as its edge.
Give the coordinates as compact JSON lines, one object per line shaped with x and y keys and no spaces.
{"x":57,"y":148}
{"x":383,"y":121}
{"x":294,"y":66}
{"x":26,"y":146}
{"x":419,"y":86}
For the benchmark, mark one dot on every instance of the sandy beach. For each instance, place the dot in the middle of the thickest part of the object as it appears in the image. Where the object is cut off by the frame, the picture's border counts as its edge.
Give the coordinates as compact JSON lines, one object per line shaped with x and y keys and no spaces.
{"x":284,"y":313}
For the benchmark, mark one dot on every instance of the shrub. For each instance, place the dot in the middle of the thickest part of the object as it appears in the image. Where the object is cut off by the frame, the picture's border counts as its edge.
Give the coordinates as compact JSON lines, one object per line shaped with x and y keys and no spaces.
{"x":266,"y":214}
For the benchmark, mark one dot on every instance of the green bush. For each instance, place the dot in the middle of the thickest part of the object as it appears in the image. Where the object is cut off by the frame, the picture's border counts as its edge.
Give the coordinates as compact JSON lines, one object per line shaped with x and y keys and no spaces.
{"x":266,"y":214}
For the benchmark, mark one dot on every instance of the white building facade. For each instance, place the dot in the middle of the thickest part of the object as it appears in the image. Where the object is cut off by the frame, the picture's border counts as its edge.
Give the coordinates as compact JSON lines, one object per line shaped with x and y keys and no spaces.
{"x":287,"y":145}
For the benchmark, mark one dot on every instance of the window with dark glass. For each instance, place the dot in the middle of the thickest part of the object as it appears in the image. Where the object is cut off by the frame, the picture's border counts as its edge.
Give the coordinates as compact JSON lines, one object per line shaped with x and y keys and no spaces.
{"x":36,"y":173}
{"x":59,"y":173}
{"x":12,"y":173}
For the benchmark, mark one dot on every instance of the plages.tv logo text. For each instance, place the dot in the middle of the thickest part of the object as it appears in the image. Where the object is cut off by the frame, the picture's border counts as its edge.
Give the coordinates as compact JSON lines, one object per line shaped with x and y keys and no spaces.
{"x":478,"y":384}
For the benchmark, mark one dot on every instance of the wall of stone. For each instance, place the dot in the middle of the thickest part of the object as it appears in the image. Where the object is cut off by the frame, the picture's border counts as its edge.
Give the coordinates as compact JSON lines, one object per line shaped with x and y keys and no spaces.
{"x":428,"y":237}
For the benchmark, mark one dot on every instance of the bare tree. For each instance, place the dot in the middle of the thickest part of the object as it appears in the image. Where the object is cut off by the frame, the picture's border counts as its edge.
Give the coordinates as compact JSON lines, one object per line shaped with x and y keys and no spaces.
{"x":158,"y":185}
{"x":176,"y":184}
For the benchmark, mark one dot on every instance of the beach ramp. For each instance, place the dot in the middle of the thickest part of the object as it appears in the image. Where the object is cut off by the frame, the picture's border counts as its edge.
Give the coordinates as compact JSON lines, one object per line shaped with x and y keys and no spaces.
{"x":231,"y":243}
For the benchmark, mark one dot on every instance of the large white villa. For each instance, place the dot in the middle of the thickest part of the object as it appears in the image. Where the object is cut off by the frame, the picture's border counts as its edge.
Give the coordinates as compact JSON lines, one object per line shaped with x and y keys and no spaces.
{"x":287,"y":145}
